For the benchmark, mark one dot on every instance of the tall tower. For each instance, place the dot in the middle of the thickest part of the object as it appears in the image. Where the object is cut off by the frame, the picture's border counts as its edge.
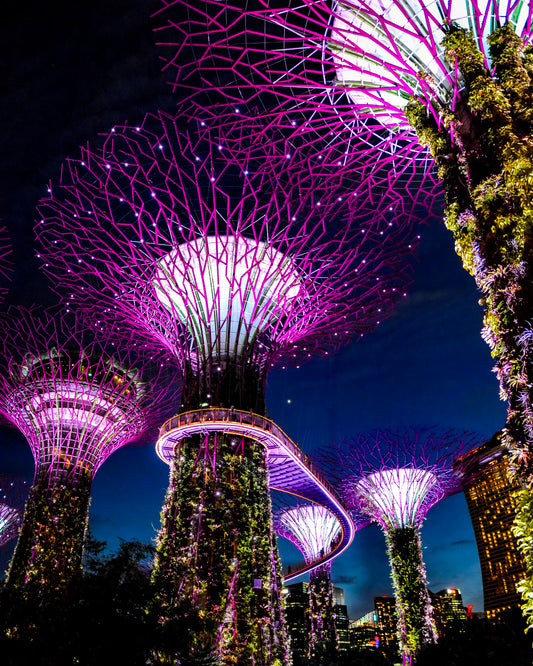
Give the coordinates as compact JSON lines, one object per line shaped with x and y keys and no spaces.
{"x":312,"y":528}
{"x":489,"y":495}
{"x":395,"y":479}
{"x":234,"y":265}
{"x":76,"y":400}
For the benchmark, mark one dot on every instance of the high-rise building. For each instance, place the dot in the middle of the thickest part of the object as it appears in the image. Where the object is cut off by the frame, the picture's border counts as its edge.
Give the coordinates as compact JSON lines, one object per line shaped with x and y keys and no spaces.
{"x":342,"y":622}
{"x":448,"y":609}
{"x":297,"y":618}
{"x":387,"y":620}
{"x":489,"y":495}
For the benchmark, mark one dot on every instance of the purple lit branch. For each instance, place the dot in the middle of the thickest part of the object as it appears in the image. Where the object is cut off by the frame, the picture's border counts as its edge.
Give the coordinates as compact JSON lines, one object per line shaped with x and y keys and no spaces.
{"x":288,"y":61}
{"x":309,"y":527}
{"x":216,"y":253}
{"x":75,"y":398}
{"x":12,"y":496}
{"x":395,"y":478}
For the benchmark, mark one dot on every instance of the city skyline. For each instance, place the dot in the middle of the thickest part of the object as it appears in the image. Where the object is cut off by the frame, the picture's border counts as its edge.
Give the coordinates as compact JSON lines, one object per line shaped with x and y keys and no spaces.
{"x":426,"y":365}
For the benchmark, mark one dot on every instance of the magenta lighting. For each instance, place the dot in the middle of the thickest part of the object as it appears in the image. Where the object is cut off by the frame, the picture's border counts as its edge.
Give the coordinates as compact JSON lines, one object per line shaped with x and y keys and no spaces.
{"x":206,"y":239}
{"x":6,"y":263}
{"x":313,"y":529}
{"x":395,"y":478}
{"x":12,"y":496}
{"x":76,"y":399}
{"x":310,"y":527}
{"x":293,"y":61}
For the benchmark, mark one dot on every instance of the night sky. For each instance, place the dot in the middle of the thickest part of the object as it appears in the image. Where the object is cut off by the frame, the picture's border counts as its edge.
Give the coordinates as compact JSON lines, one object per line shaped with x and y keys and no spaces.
{"x":66,"y":76}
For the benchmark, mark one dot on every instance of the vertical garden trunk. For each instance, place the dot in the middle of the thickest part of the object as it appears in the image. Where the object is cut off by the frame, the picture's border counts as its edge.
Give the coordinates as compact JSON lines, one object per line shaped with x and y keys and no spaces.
{"x":413,"y":605}
{"x":323,"y":638}
{"x":484,"y":153}
{"x":48,"y":558}
{"x":217,"y":574}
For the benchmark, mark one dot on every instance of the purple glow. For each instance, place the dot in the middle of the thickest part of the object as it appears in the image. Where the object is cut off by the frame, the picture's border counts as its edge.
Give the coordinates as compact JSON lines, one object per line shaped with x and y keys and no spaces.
{"x":75,"y":399}
{"x":396,"y":477}
{"x":310,"y":527}
{"x":288,"y":61}
{"x":397,"y":496}
{"x":319,"y":255}
{"x":290,"y":470}
{"x":12,"y":497}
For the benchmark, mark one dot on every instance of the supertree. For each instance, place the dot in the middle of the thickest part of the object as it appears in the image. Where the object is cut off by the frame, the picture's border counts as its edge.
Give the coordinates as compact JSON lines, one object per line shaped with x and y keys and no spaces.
{"x":256,"y":53}
{"x":76,"y":399}
{"x":395,"y":479}
{"x":385,"y":66}
{"x":457,"y":78}
{"x":312,"y":529}
{"x":12,"y":496}
{"x":230,"y":265}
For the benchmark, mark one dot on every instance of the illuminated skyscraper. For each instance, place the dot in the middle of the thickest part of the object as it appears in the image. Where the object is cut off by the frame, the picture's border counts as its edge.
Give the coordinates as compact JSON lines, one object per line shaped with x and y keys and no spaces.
{"x":387,"y":622}
{"x":489,"y":495}
{"x":448,"y":609}
{"x":297,"y":618}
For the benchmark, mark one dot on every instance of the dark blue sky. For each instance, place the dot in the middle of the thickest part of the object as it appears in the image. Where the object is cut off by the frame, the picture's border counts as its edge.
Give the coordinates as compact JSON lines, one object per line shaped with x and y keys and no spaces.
{"x":68,"y":76}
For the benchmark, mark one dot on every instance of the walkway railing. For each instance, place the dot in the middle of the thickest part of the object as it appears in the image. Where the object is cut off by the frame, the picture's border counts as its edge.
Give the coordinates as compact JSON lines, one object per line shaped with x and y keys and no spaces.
{"x":217,"y":418}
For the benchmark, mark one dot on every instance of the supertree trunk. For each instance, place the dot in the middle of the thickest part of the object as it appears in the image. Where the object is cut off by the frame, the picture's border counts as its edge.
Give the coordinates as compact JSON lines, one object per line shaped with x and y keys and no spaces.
{"x":485,"y":158}
{"x":217,"y":573}
{"x":47,"y":560}
{"x":413,"y":605}
{"x":323,"y":638}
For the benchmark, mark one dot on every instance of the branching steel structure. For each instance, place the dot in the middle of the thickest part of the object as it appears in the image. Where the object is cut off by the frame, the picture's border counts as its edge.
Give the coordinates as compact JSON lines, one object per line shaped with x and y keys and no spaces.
{"x":12,"y":496}
{"x":395,"y":478}
{"x":458,"y":77}
{"x":313,"y":530}
{"x":235,"y":257}
{"x":76,"y":400}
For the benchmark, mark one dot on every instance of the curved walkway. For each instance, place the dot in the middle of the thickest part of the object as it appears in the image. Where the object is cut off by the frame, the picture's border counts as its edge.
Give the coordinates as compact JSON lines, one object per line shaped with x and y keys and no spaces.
{"x":290,"y":470}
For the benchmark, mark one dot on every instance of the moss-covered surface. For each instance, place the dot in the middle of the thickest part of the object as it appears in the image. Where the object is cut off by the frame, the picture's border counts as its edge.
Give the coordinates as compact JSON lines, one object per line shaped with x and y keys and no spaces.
{"x":217,"y":573}
{"x":413,"y":605}
{"x":47,"y":559}
{"x":484,"y":151}
{"x":323,"y":636}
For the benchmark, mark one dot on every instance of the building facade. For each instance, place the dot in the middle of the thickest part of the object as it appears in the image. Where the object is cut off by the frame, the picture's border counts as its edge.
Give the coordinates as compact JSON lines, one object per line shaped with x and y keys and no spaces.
{"x":448,"y":610}
{"x":489,"y":495}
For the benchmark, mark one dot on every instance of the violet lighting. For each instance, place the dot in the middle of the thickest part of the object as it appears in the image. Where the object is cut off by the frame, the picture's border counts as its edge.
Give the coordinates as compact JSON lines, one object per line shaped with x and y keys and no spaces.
{"x":212,"y":263}
{"x":310,"y":527}
{"x":235,"y":260}
{"x":397,"y":496}
{"x":76,"y":399}
{"x":12,"y":496}
{"x":294,"y":62}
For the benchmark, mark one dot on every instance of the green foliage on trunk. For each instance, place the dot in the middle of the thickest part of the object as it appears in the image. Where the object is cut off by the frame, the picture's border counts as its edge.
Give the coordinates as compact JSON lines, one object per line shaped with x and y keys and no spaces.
{"x":217,"y":573}
{"x":483,"y":148}
{"x":413,"y":606}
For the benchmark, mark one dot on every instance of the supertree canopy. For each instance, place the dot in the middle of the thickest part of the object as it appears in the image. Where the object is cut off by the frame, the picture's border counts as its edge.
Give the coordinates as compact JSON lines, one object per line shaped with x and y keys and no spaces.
{"x":278,"y":58}
{"x":12,"y":495}
{"x":234,"y":264}
{"x":312,"y":529}
{"x":455,"y":76}
{"x":394,"y":479}
{"x":76,"y":400}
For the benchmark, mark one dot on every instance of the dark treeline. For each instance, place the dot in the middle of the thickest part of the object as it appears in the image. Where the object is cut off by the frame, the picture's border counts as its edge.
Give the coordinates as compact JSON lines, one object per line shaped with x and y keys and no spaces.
{"x":106,"y":620}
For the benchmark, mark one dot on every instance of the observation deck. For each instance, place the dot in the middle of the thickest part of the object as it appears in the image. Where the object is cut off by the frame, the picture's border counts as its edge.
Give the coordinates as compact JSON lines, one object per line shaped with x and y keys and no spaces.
{"x":289,"y":469}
